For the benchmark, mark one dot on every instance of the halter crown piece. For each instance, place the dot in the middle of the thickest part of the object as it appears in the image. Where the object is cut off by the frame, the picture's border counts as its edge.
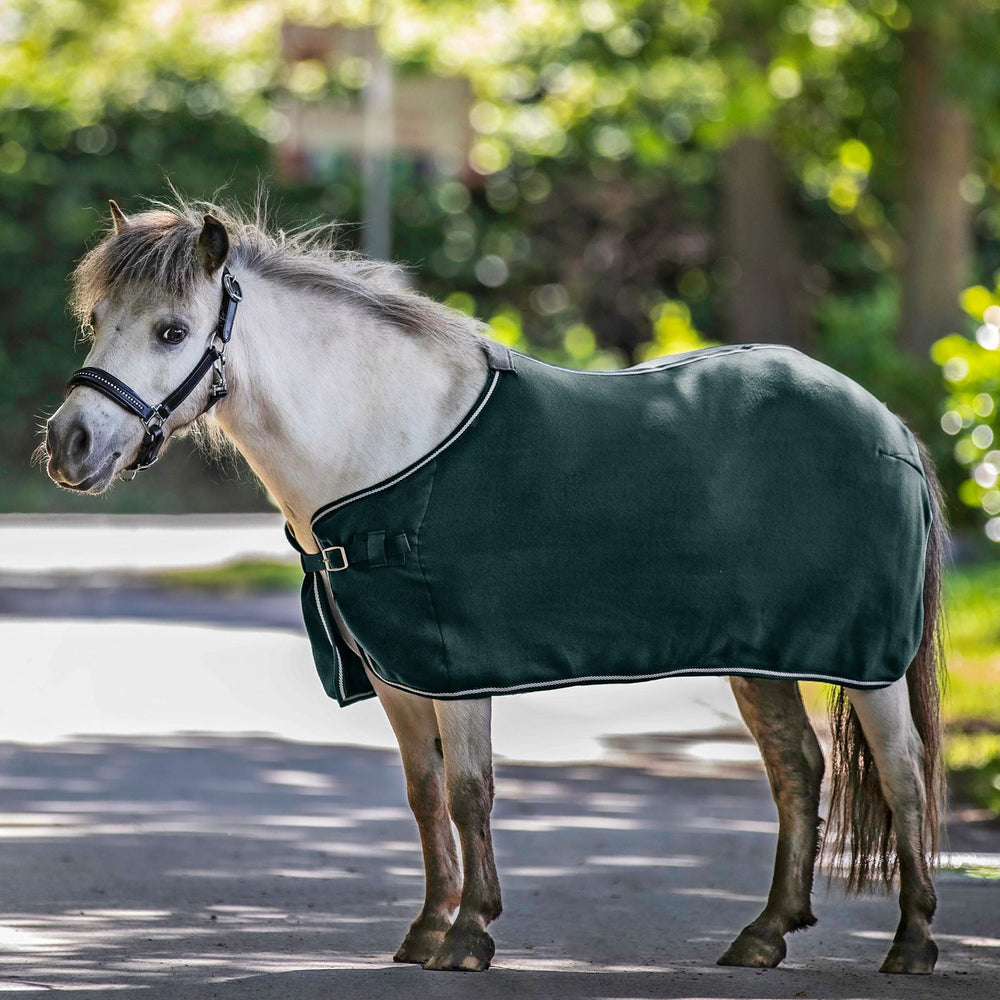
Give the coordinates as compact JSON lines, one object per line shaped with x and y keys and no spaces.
{"x":153,"y":417}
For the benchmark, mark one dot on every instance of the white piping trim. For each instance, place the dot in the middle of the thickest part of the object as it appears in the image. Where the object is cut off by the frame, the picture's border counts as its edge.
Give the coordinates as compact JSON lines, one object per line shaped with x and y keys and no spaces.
{"x":329,"y":637}
{"x":357,"y":697}
{"x":344,"y":700}
{"x":645,"y":368}
{"x":454,"y":436}
{"x":369,"y":662}
{"x":319,"y":608}
{"x":623,"y":679}
{"x":636,"y":370}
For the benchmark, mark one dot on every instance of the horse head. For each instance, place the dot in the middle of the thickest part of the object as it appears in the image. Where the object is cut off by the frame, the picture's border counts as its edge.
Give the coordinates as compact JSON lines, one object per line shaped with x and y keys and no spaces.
{"x":148,"y":298}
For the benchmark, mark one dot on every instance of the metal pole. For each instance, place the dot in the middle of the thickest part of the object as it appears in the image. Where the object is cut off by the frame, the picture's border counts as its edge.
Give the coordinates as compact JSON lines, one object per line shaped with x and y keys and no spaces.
{"x":376,"y":156}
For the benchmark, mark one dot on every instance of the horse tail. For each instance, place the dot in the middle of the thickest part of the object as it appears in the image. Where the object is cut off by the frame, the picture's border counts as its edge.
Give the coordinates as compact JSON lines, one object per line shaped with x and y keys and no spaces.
{"x":860,"y":819}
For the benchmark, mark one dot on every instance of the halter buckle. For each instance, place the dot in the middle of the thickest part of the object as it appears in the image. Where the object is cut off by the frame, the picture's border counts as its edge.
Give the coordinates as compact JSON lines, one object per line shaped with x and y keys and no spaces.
{"x":152,"y":442}
{"x":219,"y":386}
{"x":153,"y":423}
{"x":232,"y":286}
{"x":341,"y":552}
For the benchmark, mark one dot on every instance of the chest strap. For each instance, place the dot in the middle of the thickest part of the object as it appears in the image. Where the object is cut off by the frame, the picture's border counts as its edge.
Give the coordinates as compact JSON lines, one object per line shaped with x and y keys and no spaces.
{"x":368,"y":551}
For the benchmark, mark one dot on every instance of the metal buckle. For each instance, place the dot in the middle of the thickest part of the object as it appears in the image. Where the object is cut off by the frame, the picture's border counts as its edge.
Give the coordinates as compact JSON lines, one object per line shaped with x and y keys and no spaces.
{"x":232,"y":287}
{"x":343,"y":557}
{"x":153,"y":422}
{"x":219,"y":386}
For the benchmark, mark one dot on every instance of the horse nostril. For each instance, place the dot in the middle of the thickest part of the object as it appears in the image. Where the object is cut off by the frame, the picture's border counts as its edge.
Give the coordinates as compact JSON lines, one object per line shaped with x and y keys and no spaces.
{"x":78,"y":443}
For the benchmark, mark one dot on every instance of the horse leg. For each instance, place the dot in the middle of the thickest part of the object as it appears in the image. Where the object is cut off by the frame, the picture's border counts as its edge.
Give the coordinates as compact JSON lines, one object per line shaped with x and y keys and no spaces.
{"x":888,"y":726}
{"x":774,"y":713}
{"x":468,"y":769}
{"x":415,"y":725}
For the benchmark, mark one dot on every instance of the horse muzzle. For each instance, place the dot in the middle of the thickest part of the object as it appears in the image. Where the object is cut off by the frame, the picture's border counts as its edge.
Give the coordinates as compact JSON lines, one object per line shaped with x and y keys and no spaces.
{"x":81,"y":454}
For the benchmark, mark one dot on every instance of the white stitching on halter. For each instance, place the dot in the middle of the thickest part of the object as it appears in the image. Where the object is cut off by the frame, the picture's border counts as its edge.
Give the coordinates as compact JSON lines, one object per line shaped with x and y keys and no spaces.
{"x":135,"y":399}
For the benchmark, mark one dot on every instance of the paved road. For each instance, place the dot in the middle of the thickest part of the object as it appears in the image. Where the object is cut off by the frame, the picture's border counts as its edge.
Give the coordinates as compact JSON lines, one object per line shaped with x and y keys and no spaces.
{"x":243,"y":867}
{"x":141,"y":600}
{"x":252,"y":868}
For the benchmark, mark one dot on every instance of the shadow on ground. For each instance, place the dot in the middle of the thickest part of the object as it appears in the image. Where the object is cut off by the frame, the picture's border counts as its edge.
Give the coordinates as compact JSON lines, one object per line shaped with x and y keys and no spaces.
{"x":203,"y":867}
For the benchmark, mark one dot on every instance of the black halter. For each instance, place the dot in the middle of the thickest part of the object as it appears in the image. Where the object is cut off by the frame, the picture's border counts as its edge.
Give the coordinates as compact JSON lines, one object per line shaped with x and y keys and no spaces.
{"x":153,"y":417}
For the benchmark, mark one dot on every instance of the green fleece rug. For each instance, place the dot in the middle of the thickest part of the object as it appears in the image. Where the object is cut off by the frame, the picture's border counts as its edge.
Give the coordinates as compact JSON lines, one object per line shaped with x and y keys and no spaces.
{"x":739,"y":510}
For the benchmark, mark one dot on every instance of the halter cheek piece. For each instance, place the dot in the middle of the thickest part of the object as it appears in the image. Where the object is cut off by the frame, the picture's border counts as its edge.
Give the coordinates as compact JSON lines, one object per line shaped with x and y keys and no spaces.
{"x":153,"y":417}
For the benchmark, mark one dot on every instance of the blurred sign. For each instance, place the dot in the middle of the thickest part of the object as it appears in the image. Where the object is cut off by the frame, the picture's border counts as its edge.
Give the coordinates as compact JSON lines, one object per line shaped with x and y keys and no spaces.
{"x":430,"y":115}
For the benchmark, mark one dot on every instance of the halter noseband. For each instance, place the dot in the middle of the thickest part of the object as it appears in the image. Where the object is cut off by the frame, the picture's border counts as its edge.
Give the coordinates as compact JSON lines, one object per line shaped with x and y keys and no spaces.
{"x":153,"y":417}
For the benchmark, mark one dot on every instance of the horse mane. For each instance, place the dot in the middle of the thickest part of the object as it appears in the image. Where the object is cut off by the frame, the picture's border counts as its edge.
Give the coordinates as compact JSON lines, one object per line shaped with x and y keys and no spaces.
{"x":158,"y":248}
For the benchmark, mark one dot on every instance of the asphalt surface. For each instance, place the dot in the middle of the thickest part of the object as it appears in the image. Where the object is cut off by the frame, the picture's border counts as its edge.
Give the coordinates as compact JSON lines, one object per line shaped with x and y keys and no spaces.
{"x":186,"y":866}
{"x":250,"y":868}
{"x":136,"y":600}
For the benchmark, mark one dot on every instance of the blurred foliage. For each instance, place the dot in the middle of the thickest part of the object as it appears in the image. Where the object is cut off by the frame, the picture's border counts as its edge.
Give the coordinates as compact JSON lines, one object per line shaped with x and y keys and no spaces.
{"x":586,"y":230}
{"x":971,"y":369}
{"x":974,"y":770}
{"x":973,"y":645}
{"x":872,"y":356}
{"x":53,"y":205}
{"x":971,"y":706}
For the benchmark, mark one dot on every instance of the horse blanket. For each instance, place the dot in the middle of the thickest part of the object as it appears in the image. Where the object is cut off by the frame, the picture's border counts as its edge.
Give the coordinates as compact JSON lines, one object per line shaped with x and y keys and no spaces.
{"x":737,"y":510}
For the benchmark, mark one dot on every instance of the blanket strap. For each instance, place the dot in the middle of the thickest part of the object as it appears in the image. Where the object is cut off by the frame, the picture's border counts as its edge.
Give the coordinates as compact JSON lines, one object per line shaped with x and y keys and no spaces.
{"x":498,"y":357}
{"x":367,"y":551}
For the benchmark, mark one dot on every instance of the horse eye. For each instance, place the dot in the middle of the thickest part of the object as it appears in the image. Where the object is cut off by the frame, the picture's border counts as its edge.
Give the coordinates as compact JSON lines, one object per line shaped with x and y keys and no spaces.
{"x":173,"y":334}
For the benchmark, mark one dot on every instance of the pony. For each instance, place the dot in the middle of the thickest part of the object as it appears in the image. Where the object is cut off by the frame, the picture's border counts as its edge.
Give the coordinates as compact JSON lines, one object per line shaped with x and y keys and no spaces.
{"x":335,"y":376}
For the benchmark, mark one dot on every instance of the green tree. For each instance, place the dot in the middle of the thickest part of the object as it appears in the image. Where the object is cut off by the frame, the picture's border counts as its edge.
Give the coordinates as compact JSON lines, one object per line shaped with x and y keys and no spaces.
{"x":756,"y":170}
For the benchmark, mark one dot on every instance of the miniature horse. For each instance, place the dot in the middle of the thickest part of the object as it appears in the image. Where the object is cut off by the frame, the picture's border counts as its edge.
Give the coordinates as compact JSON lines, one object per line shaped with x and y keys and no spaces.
{"x":336,"y":377}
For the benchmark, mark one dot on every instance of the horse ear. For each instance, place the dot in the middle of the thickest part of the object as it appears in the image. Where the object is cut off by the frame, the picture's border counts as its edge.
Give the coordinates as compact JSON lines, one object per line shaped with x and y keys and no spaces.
{"x":213,"y":245}
{"x":118,"y":217}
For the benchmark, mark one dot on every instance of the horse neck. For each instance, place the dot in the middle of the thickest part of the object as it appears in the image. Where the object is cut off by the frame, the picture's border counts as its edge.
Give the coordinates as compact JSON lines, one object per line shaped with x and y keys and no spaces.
{"x":327,"y":399}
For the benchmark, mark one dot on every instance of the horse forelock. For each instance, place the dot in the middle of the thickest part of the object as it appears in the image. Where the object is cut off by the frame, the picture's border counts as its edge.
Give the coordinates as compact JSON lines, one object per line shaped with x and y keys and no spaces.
{"x":158,"y":248}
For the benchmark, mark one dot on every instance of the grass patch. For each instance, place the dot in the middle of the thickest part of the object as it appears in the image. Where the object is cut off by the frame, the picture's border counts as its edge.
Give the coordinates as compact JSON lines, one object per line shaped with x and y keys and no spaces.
{"x":243,"y":576}
{"x":972,"y":598}
{"x":972,"y":697}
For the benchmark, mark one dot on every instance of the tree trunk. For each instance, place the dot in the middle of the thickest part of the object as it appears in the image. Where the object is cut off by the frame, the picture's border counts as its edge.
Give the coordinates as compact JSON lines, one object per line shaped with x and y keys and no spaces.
{"x":936,"y":222}
{"x":765,"y":298}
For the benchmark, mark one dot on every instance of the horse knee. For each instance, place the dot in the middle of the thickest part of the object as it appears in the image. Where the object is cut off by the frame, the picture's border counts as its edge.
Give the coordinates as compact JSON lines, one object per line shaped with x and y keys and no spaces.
{"x":470,"y":801}
{"x":425,"y":794}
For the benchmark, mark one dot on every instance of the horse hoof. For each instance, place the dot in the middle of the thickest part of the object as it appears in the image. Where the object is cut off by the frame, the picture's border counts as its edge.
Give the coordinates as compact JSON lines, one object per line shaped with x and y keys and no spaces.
{"x":754,"y":952}
{"x":463,"y":949}
{"x":419,"y":946}
{"x":916,"y":960}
